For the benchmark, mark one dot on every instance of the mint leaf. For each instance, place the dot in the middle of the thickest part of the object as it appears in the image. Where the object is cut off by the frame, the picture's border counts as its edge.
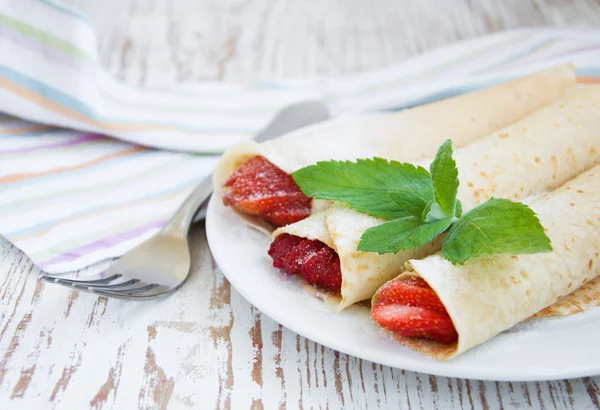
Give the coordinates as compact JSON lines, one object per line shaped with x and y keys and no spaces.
{"x":432,"y":212}
{"x":380,"y":188}
{"x":436,"y":213}
{"x":458,"y":210}
{"x":426,"y":210}
{"x":496,"y":226}
{"x":445,"y":180}
{"x":401,"y":234}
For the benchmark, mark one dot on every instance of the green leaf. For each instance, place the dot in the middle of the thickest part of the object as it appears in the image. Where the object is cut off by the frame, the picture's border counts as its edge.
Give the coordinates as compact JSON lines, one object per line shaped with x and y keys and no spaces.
{"x":459,"y":209}
{"x":496,"y":226}
{"x":380,"y":188}
{"x":426,"y":210}
{"x":445,"y":179}
{"x":401,"y":234}
{"x":436,"y":213}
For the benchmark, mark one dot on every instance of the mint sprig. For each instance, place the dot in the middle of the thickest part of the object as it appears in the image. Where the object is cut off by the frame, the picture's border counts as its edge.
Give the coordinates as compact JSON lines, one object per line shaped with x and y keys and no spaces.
{"x":422,"y":205}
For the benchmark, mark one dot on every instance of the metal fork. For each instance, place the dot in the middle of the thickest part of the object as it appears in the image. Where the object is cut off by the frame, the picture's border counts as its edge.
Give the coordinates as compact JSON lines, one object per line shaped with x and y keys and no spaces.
{"x":162,"y":263}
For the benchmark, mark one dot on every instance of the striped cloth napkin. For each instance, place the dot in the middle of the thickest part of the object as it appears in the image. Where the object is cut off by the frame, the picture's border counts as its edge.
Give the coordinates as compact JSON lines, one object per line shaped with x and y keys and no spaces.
{"x":81,"y":178}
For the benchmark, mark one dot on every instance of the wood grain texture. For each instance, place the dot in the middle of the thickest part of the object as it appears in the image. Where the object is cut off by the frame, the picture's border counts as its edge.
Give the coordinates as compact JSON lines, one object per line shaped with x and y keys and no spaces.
{"x":205,"y":346}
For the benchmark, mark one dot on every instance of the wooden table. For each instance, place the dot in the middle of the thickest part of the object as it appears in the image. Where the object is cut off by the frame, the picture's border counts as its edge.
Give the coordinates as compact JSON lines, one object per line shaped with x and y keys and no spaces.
{"x":205,"y":346}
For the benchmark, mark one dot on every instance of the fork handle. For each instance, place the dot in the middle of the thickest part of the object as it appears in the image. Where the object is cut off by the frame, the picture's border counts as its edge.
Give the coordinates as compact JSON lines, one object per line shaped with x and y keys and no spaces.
{"x":181,"y":221}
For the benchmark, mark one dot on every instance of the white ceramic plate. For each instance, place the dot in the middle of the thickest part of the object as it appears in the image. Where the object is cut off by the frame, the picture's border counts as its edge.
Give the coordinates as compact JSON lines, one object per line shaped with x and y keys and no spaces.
{"x":551,"y":348}
{"x":546,"y":349}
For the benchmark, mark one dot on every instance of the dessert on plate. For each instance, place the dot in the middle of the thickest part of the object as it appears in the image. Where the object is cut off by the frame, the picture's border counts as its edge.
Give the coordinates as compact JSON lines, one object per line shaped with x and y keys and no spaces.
{"x":535,"y":140}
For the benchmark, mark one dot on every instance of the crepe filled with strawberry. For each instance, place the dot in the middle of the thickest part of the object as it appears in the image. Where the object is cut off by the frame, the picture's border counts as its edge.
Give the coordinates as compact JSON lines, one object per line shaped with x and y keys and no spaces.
{"x":376,"y":198}
{"x":493,"y":272}
{"x":254,"y":179}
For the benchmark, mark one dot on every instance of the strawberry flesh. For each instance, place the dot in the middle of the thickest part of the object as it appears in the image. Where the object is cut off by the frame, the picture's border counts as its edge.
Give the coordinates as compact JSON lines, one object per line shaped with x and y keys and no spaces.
{"x":281,"y":247}
{"x":411,"y":308}
{"x":298,"y":255}
{"x":411,"y":292}
{"x":261,"y":189}
{"x":316,"y":262}
{"x":287,"y":215}
{"x":411,"y":321}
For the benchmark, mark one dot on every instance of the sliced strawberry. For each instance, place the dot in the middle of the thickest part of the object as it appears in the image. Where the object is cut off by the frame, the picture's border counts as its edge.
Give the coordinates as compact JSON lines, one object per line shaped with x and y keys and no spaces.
{"x":281,"y":246}
{"x":411,"y":308}
{"x":323,"y":270}
{"x":299,"y":254}
{"x":411,"y":321}
{"x":311,"y":275}
{"x":262,"y":189}
{"x":316,"y":262}
{"x":411,"y":292}
{"x":288,"y":215}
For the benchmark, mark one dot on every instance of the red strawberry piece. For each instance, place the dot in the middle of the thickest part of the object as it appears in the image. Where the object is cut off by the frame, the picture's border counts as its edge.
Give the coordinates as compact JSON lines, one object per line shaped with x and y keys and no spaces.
{"x":287,"y":215}
{"x":323,"y":270}
{"x":316,"y":262}
{"x":411,"y":292}
{"x":260,"y":188}
{"x":411,"y":308}
{"x":281,"y":246}
{"x":299,"y":254}
{"x":311,"y":275}
{"x":412,"y":321}
{"x":333,"y":278}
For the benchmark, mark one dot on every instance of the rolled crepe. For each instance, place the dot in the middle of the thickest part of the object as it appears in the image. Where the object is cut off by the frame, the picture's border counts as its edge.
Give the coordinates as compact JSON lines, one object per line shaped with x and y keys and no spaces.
{"x":410,"y":135}
{"x":489,"y":295}
{"x":536,"y":154}
{"x":581,"y":300}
